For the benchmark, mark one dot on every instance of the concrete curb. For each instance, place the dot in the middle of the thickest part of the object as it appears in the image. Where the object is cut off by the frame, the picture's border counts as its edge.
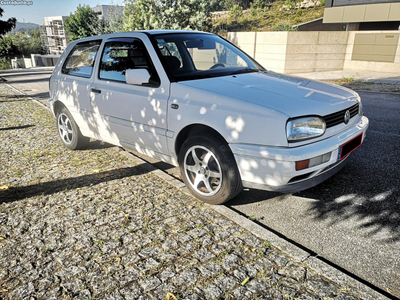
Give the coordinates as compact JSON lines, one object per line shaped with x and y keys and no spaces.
{"x":34,"y":100}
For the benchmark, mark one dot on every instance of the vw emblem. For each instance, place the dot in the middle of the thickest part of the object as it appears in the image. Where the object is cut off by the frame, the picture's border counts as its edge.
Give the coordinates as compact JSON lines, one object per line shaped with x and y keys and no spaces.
{"x":347,"y":117}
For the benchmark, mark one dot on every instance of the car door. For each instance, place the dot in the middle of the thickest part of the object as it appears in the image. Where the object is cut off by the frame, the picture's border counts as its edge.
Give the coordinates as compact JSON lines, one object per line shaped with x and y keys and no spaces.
{"x":73,"y":82}
{"x":133,"y":116}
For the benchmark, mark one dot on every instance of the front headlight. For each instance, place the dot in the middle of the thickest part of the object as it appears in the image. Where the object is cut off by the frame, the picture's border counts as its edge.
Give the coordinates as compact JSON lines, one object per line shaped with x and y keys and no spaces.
{"x":304,"y":128}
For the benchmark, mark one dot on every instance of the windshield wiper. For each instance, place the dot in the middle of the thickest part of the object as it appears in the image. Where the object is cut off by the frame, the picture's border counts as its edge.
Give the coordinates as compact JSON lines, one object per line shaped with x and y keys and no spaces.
{"x":242,"y":71}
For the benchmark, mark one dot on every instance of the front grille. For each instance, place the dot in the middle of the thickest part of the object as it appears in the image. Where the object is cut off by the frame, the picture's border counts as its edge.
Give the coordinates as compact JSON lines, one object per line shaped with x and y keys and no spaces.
{"x":338,"y":117}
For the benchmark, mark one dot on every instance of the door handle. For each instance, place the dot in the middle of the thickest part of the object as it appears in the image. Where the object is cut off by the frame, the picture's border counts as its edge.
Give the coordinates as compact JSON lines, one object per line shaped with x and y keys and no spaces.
{"x":97,"y":91}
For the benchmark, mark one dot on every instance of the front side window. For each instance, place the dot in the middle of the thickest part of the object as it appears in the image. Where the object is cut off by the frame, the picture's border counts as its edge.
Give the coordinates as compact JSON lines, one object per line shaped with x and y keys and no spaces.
{"x":194,"y":55}
{"x":122,"y":54}
{"x":81,"y":59}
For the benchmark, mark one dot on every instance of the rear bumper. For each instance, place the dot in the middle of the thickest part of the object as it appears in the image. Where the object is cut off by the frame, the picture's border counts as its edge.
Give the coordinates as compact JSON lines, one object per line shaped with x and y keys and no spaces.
{"x":274,"y":168}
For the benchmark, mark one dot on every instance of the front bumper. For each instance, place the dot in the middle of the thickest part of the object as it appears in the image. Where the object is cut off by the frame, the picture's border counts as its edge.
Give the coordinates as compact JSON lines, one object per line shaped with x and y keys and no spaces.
{"x":274,"y":168}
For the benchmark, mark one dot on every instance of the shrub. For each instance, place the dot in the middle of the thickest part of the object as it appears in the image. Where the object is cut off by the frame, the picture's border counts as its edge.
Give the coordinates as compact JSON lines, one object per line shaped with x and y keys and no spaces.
{"x":236,"y":12}
{"x":281,"y":26}
{"x":291,"y":3}
{"x":5,"y":63}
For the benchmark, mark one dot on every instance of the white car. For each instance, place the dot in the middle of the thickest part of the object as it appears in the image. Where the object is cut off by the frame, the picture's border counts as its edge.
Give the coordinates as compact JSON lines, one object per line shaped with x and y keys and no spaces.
{"x":195,"y":100}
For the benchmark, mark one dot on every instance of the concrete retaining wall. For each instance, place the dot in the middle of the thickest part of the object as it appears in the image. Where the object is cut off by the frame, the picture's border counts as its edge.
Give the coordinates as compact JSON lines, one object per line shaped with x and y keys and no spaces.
{"x":311,"y":51}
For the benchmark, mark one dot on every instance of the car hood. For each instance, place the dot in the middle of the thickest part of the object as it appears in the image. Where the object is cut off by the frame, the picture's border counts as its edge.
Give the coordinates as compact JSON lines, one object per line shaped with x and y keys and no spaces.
{"x":290,"y":95}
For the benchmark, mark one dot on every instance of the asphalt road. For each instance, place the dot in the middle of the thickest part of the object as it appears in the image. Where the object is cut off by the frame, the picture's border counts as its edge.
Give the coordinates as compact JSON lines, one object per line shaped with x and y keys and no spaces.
{"x":33,"y":82}
{"x":352,"y":220}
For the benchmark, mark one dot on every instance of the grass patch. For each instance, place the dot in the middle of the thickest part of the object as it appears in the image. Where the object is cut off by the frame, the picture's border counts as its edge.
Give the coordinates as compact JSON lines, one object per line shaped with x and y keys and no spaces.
{"x":266,"y":19}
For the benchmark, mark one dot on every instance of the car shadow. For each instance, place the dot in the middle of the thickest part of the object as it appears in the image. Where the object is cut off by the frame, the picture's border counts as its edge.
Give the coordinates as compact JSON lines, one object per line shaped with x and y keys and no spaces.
{"x":52,"y":187}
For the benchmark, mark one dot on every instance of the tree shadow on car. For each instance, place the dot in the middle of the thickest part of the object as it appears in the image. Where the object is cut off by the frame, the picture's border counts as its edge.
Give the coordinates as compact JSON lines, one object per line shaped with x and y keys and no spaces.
{"x":13,"y":194}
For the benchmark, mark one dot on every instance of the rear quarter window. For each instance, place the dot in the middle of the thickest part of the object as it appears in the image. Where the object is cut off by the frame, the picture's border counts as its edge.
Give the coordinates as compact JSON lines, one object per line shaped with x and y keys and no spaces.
{"x":80,"y":60}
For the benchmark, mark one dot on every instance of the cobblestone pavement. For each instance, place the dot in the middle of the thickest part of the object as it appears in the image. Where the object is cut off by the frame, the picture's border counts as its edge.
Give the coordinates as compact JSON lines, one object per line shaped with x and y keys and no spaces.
{"x":93,"y":224}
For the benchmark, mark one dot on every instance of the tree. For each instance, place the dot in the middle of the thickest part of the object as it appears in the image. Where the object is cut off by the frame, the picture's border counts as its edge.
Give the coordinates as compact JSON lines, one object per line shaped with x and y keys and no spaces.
{"x":6,"y":26}
{"x":7,"y":47}
{"x":82,"y":23}
{"x":167,"y":14}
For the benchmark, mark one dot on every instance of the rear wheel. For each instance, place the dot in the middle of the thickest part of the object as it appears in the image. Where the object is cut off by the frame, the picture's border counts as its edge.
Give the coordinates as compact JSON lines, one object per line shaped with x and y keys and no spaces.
{"x":208,"y":169}
{"x":68,"y":130}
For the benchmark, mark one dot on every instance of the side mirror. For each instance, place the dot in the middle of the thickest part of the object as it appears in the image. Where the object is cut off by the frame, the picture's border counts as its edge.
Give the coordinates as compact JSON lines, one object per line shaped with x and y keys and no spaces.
{"x":137,"y":76}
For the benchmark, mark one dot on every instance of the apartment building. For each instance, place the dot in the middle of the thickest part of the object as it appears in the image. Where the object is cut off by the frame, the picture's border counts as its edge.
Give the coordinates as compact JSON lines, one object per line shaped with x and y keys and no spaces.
{"x":57,"y":37}
{"x":104,"y":12}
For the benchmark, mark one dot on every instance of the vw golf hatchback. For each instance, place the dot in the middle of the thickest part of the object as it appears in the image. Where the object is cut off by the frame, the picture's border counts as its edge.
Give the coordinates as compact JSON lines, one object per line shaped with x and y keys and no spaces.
{"x":195,"y":100}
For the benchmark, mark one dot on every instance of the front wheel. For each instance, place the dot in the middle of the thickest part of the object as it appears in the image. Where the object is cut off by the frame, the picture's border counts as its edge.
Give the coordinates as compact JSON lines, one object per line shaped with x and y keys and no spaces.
{"x":208,"y":169}
{"x":68,"y":130}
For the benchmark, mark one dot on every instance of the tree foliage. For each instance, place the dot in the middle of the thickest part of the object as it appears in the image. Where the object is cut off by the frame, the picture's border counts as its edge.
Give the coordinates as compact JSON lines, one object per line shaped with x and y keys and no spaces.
{"x":82,"y":23}
{"x":20,"y":44}
{"x":6,"y":26}
{"x":168,"y":14}
{"x":7,"y":47}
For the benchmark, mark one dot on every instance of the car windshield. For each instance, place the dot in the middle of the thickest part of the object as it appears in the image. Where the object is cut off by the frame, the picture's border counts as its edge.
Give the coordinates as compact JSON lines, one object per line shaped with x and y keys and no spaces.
{"x":188,"y":56}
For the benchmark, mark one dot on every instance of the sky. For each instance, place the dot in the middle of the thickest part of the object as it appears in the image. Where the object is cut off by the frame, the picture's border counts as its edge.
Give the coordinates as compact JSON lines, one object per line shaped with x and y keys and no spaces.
{"x":34,"y":11}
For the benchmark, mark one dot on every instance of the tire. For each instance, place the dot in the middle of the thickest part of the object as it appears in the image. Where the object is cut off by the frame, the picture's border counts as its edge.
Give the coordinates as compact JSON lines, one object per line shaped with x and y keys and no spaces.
{"x":68,"y":131}
{"x":208,"y":169}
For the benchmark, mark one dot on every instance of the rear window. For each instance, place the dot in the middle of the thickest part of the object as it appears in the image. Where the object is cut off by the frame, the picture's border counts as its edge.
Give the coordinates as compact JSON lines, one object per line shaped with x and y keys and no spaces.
{"x":81,"y":59}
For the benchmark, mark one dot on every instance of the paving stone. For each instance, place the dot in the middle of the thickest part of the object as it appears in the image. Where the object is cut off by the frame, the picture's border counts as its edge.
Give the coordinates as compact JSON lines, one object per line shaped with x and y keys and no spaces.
{"x":210,"y":269}
{"x":257,"y":286}
{"x":274,"y":294}
{"x":231,"y":261}
{"x":169,"y":244}
{"x":263,"y":264}
{"x":212,"y":292}
{"x":321,"y":285}
{"x":166,"y":274}
{"x":203,"y":255}
{"x":93,"y":224}
{"x":279,"y":258}
{"x":293,"y":270}
{"x":22,"y":291}
{"x":186,"y":278}
{"x":289,"y":286}
{"x":149,"y":284}
{"x":219,"y":247}
{"x":149,"y":252}
{"x":131,"y":292}
{"x":85,"y":294}
{"x":226,"y":283}
{"x":163,"y":289}
{"x":74,"y":285}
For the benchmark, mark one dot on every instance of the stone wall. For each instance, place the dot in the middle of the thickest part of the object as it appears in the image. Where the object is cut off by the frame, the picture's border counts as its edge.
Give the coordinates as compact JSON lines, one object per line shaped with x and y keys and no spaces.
{"x":311,"y":51}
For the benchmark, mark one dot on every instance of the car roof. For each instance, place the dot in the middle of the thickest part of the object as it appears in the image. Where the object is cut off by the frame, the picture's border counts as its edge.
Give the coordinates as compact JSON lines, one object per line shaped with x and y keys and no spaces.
{"x":128,"y":33}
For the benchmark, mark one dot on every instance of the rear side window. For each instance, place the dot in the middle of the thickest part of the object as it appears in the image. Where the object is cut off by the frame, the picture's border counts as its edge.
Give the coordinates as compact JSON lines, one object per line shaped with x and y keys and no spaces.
{"x":81,"y":59}
{"x":122,"y":54}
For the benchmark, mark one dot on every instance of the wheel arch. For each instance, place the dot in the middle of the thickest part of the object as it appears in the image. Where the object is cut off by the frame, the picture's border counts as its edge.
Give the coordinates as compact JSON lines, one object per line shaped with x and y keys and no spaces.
{"x":57,"y":106}
{"x":194,"y":129}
